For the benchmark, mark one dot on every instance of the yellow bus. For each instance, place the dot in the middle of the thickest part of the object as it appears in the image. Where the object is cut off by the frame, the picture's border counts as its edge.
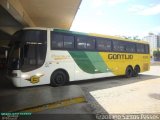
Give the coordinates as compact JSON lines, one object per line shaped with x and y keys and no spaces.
{"x":54,"y":56}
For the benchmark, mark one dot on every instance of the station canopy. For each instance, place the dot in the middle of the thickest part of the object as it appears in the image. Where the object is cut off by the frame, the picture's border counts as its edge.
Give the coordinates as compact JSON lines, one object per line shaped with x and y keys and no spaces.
{"x":51,"y":13}
{"x":16,"y":14}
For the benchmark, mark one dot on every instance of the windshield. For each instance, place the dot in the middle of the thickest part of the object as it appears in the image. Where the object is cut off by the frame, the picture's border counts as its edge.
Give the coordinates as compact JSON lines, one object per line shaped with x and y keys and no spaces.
{"x":27,"y":49}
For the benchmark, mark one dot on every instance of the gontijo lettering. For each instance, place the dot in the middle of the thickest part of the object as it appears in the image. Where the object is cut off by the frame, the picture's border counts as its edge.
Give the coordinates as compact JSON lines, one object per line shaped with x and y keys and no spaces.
{"x":120,"y":56}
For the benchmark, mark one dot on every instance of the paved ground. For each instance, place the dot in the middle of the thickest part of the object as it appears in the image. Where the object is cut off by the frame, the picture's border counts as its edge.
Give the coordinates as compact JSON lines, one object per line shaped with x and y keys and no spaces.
{"x":110,"y":95}
{"x":122,"y":95}
{"x":76,"y":111}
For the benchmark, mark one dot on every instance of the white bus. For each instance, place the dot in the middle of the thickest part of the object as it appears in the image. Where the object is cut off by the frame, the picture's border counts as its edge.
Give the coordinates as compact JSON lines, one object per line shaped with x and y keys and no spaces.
{"x":53,"y":56}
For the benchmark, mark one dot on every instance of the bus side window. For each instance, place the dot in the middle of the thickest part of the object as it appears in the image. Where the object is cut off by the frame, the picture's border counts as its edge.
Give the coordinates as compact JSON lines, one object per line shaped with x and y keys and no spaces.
{"x":81,"y":42}
{"x":103,"y":44}
{"x":90,"y":43}
{"x":146,"y":49}
{"x":68,"y":42}
{"x":130,"y":47}
{"x":56,"y":40}
{"x":85,"y":43}
{"x":140,"y":48}
{"x":118,"y":46}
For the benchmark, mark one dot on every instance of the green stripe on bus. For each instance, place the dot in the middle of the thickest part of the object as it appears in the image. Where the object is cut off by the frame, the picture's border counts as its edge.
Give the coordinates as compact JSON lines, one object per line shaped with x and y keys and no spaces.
{"x":97,"y":61}
{"x":83,"y":61}
{"x":90,"y":62}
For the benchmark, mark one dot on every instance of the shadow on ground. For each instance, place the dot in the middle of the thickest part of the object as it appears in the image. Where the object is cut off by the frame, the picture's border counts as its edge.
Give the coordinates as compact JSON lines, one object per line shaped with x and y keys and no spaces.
{"x":104,"y":83}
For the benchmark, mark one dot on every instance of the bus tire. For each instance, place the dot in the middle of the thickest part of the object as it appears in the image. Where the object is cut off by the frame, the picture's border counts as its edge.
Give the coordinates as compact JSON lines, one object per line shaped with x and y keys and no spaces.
{"x":129,"y":72}
{"x":59,"y":78}
{"x":136,"y":71}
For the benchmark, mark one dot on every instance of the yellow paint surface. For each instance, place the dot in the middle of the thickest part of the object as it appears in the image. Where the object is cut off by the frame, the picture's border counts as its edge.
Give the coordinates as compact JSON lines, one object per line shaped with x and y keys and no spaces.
{"x":118,"y":66}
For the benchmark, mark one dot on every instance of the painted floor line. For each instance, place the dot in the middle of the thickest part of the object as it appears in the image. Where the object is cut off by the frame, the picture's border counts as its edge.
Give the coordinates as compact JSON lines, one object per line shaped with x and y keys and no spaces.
{"x":54,"y":105}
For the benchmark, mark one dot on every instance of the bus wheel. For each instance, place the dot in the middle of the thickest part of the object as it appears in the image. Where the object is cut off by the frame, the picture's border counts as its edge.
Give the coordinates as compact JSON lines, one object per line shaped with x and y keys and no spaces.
{"x":129,"y":72}
{"x":136,"y":71}
{"x":58,"y":78}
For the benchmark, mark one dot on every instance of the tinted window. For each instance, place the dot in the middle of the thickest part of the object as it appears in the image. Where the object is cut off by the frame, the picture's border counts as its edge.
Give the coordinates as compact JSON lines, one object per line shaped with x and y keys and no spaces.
{"x":81,"y":42}
{"x":68,"y":42}
{"x":61,"y":41}
{"x":118,"y":46}
{"x":103,"y":44}
{"x":140,"y":48}
{"x":85,"y":43}
{"x":33,"y":51}
{"x":56,"y":40}
{"x":130,"y":47}
{"x":147,"y":49}
{"x":91,"y":43}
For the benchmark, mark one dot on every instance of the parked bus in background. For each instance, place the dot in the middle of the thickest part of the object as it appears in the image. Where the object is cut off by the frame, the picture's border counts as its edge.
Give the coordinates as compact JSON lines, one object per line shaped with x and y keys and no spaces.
{"x":53,"y":56}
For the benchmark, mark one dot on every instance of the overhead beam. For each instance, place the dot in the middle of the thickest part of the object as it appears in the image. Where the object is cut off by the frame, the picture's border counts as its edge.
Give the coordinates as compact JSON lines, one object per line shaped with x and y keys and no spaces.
{"x":15,"y":8}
